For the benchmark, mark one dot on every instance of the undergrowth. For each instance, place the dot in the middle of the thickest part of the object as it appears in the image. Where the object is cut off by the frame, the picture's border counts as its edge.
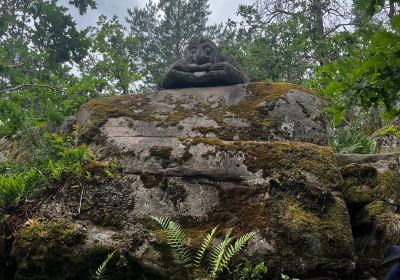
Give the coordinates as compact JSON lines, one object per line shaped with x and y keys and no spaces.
{"x":36,"y":161}
{"x":353,"y":138}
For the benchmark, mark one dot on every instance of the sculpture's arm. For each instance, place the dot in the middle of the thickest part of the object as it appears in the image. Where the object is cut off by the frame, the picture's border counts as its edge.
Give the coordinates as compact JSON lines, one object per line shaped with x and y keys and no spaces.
{"x":200,"y":68}
{"x":228,"y":73}
{"x":173,"y":78}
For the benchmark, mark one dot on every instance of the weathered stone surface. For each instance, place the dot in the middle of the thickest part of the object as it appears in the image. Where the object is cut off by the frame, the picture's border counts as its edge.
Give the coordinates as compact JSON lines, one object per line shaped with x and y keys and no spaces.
{"x":372,"y":193}
{"x":258,"y":111}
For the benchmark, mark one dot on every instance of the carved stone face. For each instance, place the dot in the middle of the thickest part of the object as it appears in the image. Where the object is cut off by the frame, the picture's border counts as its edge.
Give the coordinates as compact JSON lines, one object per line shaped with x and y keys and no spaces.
{"x":203,"y":51}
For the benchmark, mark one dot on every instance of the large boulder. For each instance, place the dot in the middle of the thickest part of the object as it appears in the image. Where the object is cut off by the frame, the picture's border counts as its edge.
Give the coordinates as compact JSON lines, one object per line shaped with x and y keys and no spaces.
{"x":248,"y":157}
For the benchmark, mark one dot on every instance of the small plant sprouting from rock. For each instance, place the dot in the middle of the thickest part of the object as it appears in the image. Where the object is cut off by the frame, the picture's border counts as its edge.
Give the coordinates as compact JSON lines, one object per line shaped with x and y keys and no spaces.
{"x":285,"y":277}
{"x":101,"y":270}
{"x":218,"y":256}
{"x":248,"y":271}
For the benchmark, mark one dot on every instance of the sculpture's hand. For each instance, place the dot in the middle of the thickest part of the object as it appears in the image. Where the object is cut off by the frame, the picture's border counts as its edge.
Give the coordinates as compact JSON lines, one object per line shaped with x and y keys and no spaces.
{"x":229,"y":68}
{"x":175,"y":78}
{"x":182,"y":67}
{"x":200,"y":67}
{"x":228,"y":73}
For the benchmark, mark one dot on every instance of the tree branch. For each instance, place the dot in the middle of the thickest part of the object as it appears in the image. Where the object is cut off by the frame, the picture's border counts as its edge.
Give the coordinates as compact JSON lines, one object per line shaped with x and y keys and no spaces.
{"x":31,"y":85}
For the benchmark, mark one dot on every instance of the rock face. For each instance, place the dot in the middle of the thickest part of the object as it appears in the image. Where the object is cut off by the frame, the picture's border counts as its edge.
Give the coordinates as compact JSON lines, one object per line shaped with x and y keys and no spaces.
{"x":372,"y":193}
{"x":248,"y":157}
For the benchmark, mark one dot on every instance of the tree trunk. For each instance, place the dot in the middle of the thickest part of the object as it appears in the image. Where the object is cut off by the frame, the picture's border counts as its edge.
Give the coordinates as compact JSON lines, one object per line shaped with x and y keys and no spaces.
{"x":317,"y":17}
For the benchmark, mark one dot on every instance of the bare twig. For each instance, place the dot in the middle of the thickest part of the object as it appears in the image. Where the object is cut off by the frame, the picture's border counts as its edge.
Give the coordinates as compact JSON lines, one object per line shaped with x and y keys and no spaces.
{"x":31,"y":85}
{"x":80,"y":202}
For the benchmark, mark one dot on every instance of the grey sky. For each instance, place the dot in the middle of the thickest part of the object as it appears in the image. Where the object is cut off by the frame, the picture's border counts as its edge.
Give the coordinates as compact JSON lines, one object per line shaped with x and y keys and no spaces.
{"x":221,"y":10}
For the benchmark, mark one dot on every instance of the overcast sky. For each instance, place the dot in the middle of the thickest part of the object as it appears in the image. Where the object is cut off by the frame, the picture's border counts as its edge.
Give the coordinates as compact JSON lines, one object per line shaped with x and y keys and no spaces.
{"x":221,"y":10}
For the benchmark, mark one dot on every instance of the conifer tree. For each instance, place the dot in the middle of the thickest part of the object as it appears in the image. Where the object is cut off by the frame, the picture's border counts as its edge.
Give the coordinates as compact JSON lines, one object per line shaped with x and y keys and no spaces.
{"x":163,"y":29}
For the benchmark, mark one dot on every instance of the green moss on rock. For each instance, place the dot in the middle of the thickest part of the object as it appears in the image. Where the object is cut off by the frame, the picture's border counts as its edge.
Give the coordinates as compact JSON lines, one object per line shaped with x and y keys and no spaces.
{"x":100,"y":110}
{"x":274,"y":156}
{"x":150,"y":181}
{"x":262,"y":93}
{"x":300,"y":219}
{"x":55,"y":250}
{"x":54,"y":238}
{"x":139,"y":107}
{"x":174,"y":118}
{"x":366,"y":190}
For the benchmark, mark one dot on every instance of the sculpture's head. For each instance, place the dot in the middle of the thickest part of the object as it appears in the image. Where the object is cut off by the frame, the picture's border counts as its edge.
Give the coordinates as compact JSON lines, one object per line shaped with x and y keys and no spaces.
{"x":203,"y":50}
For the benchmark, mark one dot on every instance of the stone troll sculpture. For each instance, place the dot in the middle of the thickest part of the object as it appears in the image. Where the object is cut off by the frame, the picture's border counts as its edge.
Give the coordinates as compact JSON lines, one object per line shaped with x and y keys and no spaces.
{"x":203,"y":66}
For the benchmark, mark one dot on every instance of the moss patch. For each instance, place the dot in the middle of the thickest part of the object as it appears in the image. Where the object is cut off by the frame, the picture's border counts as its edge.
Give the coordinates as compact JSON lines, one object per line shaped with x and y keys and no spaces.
{"x":298,"y":218}
{"x":150,"y":181}
{"x":175,"y":192}
{"x":207,"y":129}
{"x":363,"y":184}
{"x":162,"y":153}
{"x":134,"y":106}
{"x":366,"y":191}
{"x":55,"y":250}
{"x":262,"y":93}
{"x":55,"y":238}
{"x":138,"y":107}
{"x":274,"y":157}
{"x":174,"y":118}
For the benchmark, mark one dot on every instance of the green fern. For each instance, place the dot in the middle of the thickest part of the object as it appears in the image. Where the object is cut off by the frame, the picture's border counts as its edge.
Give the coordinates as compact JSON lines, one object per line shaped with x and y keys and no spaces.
{"x":204,"y":246}
{"x":232,"y":250}
{"x":218,"y":254}
{"x":11,"y":190}
{"x":101,"y":270}
{"x":175,"y":237}
{"x":219,"y":257}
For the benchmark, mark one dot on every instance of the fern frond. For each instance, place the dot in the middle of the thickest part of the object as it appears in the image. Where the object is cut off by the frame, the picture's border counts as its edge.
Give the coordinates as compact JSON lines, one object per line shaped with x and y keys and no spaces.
{"x":204,"y":246}
{"x":218,"y":253}
{"x":232,"y":250}
{"x":162,"y":221}
{"x":175,"y":238}
{"x":101,"y":270}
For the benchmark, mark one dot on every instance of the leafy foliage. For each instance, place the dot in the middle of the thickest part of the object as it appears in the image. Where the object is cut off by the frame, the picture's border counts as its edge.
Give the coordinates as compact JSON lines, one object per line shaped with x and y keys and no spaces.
{"x":285,"y":277}
{"x":37,"y":39}
{"x":112,"y":62}
{"x":204,"y":246}
{"x":389,"y":130}
{"x":247,"y":271}
{"x":219,"y":257}
{"x":40,"y":51}
{"x":368,"y":75}
{"x":353,"y":138}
